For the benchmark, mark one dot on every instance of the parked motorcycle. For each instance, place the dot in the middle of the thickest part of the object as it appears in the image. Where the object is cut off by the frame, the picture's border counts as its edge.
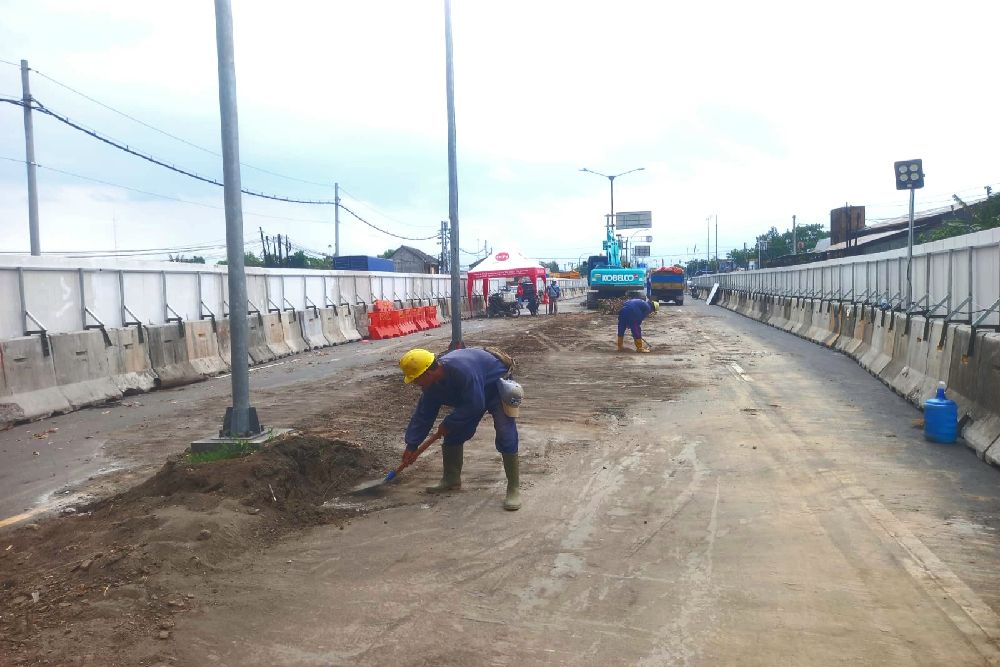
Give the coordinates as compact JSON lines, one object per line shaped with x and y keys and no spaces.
{"x":502,"y":304}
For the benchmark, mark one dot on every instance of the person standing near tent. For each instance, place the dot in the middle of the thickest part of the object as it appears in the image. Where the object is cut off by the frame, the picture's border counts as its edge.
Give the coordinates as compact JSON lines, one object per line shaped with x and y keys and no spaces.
{"x":630,"y":317}
{"x":473,"y":381}
{"x":530,"y":295}
{"x":553,"y":293}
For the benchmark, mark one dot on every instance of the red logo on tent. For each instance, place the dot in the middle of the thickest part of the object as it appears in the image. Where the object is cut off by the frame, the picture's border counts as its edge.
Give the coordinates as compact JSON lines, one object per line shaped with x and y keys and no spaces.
{"x":502,"y":257}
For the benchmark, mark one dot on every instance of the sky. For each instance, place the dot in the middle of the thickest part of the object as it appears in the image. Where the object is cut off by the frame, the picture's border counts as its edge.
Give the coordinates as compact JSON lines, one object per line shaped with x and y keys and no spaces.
{"x":748,"y":113}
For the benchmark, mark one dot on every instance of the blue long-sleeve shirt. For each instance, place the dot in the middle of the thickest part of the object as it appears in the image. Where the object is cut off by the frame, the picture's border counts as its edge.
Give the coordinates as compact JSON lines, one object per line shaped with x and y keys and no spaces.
{"x":635,"y":311}
{"x":469,"y":386}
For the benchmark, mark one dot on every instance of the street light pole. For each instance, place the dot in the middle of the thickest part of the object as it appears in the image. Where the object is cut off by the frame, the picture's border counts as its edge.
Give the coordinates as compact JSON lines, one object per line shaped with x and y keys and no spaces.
{"x":241,"y":419}
{"x":456,"y":269}
{"x":612,"y":178}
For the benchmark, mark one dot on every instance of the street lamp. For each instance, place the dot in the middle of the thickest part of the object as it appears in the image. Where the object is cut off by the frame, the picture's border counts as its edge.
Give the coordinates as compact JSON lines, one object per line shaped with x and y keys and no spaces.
{"x":909,"y":176}
{"x":612,"y":180}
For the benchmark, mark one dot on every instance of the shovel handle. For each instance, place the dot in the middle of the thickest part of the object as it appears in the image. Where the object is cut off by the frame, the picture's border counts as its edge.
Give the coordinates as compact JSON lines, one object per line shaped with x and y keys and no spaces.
{"x":420,"y":450}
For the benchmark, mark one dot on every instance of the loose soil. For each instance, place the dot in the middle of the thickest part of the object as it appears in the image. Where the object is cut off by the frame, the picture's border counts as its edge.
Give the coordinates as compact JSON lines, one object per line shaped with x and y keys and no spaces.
{"x":103,"y":584}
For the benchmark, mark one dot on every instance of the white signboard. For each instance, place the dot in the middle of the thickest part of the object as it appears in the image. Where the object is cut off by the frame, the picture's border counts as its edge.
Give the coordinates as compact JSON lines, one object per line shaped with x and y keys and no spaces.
{"x":634,"y":220}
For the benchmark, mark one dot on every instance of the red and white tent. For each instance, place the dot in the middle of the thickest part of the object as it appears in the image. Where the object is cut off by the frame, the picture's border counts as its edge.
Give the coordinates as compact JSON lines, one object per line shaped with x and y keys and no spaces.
{"x":507,"y":264}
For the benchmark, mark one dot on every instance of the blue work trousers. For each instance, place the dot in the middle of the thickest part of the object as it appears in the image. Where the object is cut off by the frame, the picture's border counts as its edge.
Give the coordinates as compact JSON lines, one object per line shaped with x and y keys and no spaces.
{"x":506,"y":429}
{"x":632,"y":323}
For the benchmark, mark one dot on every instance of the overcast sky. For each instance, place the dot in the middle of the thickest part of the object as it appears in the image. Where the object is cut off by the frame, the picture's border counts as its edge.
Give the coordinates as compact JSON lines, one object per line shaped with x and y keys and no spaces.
{"x":749,"y":111}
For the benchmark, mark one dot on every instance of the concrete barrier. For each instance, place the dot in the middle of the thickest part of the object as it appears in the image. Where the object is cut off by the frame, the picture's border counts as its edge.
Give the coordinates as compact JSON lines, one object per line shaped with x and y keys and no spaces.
{"x":974,"y":383}
{"x":203,"y":351}
{"x":331,"y":326}
{"x":846,"y":321}
{"x":257,"y":343}
{"x":274,"y":335}
{"x":291,"y":330}
{"x":910,"y":351}
{"x":359,"y":314}
{"x":899,"y":352}
{"x":312,"y":329}
{"x":168,"y":356}
{"x":28,"y":388}
{"x":128,"y":361}
{"x":81,"y":366}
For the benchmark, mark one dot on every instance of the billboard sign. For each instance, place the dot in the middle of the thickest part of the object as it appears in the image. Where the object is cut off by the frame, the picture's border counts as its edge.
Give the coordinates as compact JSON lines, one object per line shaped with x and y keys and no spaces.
{"x":640,"y":251}
{"x":634,"y":220}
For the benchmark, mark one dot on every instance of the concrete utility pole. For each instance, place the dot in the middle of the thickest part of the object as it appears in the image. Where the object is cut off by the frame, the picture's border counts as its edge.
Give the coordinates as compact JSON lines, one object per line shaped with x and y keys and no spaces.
{"x":336,"y":219}
{"x":241,"y":419}
{"x":29,"y":159}
{"x":716,"y":242}
{"x":456,"y":269}
{"x":708,"y":243}
{"x":795,"y":243}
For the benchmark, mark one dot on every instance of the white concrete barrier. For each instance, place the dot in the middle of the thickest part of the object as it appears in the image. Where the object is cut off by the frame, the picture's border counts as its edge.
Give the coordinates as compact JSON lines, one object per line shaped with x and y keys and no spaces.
{"x":203,"y":351}
{"x":353,"y":322}
{"x":257,"y":342}
{"x":128,"y":361}
{"x":312,"y":329}
{"x":82,"y":371}
{"x":332,"y":330}
{"x":274,"y":335}
{"x":168,"y":356}
{"x":291,"y":330}
{"x":28,"y":388}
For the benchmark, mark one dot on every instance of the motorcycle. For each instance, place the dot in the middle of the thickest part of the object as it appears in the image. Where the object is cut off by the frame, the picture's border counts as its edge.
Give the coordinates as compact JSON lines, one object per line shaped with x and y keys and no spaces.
{"x":499,"y":306}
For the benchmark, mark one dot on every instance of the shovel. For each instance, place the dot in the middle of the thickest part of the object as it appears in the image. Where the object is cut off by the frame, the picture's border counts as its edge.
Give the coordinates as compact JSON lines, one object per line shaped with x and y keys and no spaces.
{"x":376,"y":483}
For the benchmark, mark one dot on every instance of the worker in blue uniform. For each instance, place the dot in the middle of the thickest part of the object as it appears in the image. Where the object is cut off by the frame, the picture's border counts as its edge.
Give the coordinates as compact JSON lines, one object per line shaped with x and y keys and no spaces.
{"x":633,"y":312}
{"x":472,"y":381}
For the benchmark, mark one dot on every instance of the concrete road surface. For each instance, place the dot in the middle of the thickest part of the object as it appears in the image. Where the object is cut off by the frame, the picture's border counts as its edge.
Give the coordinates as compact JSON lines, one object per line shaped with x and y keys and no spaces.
{"x":738,"y":497}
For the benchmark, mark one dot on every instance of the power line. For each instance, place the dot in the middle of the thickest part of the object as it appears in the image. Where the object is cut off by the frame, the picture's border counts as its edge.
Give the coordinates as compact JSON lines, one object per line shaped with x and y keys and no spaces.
{"x":163,"y":196}
{"x":168,"y":134}
{"x":8,"y":62}
{"x":387,"y":233}
{"x":38,"y":106}
{"x":376,"y":210}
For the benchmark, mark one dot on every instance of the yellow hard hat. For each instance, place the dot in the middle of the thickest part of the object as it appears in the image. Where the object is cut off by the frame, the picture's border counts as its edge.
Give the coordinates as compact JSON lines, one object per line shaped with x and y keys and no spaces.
{"x":414,"y":363}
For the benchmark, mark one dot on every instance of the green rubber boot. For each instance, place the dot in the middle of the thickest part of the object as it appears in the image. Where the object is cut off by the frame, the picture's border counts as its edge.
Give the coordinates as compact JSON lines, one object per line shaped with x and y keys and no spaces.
{"x":511,"y":469}
{"x":451,"y":479}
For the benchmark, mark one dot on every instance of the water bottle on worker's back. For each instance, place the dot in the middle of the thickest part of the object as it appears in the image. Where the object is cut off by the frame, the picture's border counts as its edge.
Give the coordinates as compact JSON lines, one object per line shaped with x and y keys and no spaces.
{"x":940,"y":418}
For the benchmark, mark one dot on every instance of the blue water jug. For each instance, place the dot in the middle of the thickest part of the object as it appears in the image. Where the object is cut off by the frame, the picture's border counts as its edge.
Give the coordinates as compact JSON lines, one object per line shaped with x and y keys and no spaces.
{"x":940,"y":418}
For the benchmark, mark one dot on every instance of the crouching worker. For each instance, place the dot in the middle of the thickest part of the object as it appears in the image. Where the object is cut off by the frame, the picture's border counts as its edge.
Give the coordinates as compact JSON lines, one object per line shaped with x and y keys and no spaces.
{"x":633,"y":312}
{"x":473,"y":382}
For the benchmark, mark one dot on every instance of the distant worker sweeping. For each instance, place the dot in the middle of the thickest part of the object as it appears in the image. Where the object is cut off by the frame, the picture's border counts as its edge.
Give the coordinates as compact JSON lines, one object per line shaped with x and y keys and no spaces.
{"x":473,"y":381}
{"x":633,"y":312}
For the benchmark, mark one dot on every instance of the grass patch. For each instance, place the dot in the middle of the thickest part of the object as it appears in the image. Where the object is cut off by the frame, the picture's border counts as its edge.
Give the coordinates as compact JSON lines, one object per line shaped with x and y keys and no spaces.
{"x":231,"y":450}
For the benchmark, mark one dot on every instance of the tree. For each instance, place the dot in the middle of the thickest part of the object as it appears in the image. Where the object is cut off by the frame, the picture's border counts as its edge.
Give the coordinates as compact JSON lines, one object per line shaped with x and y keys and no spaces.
{"x":388,"y":253}
{"x":187,"y":260}
{"x":985,"y":215}
{"x":249,"y":259}
{"x":551,"y":266}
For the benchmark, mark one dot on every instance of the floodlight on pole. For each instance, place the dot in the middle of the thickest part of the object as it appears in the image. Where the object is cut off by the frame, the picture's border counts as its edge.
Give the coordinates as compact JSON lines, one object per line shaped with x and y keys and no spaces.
{"x":909,"y":176}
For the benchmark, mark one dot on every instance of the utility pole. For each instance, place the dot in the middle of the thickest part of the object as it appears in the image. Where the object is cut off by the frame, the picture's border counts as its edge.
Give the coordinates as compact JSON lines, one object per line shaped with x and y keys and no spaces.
{"x":241,"y":418}
{"x":716,"y":242}
{"x":443,"y":241}
{"x":263,"y":246}
{"x":708,"y":243}
{"x":795,"y":243}
{"x":29,"y":159}
{"x":456,"y":269}
{"x":336,"y":219}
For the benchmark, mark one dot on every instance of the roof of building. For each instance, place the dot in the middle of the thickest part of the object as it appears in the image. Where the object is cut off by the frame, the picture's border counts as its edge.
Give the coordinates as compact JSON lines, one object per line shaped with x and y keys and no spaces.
{"x":430,"y":259}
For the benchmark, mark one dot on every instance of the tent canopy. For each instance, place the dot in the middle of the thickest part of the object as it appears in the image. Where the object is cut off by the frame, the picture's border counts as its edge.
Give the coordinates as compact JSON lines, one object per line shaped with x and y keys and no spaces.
{"x":505,"y":264}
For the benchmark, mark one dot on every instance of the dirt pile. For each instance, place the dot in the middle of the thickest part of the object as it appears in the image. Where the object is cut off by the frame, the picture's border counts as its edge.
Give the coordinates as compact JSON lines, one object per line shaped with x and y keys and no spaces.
{"x":293,"y":477}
